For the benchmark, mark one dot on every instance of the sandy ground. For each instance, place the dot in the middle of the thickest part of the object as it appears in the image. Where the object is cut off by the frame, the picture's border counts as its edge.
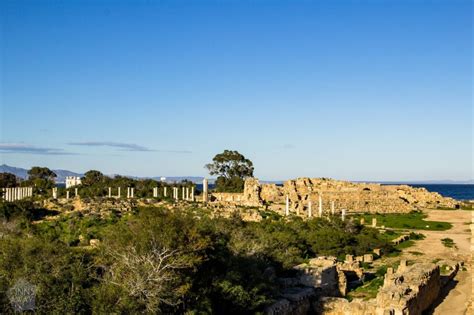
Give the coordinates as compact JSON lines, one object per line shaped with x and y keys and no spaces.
{"x":457,"y":300}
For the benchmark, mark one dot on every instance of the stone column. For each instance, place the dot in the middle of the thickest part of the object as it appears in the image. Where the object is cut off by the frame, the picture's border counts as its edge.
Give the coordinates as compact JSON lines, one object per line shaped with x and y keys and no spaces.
{"x":320,"y":206}
{"x":333,"y":210}
{"x":310,"y":210}
{"x":192,"y":193}
{"x":67,"y":194}
{"x":183,"y":195}
{"x":165,"y":192}
{"x":128,"y":192}
{"x":7,"y":194}
{"x":118,"y":193}
{"x":287,"y":206}
{"x":76,"y":192}
{"x":187,"y":193}
{"x":374,"y":222}
{"x":55,"y":193}
{"x":343,"y":215}
{"x":205,"y":190}
{"x":132,"y":192}
{"x":110,"y":192}
{"x":31,"y":191}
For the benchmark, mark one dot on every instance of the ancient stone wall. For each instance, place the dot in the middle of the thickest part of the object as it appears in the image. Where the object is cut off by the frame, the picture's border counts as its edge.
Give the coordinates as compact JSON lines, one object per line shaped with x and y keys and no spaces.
{"x":337,"y":195}
{"x":411,"y":290}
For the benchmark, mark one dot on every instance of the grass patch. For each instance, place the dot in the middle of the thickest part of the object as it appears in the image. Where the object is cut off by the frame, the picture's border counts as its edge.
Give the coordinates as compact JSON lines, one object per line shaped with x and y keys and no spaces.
{"x":444,"y":269}
{"x":448,"y":242}
{"x":414,"y":220}
{"x":405,"y":245}
{"x":368,"y":290}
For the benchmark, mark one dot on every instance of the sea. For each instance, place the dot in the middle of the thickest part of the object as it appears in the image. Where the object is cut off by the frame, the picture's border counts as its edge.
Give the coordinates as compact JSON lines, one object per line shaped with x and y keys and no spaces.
{"x":456,"y":191}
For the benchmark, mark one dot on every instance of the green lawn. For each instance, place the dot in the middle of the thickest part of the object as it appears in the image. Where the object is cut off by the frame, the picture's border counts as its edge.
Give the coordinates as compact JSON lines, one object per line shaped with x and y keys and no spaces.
{"x":413,"y":220}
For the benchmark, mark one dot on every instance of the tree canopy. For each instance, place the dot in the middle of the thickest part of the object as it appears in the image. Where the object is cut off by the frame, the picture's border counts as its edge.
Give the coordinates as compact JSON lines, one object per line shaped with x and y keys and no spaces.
{"x":7,"y":180}
{"x":92,"y":177}
{"x":37,"y":172}
{"x":232,"y":168}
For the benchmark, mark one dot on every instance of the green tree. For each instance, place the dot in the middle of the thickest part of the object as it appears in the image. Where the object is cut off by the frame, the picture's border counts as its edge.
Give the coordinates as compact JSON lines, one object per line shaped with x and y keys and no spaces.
{"x":232,"y":168}
{"x":7,"y":180}
{"x":44,"y":173}
{"x":42,"y":178}
{"x":92,"y":177}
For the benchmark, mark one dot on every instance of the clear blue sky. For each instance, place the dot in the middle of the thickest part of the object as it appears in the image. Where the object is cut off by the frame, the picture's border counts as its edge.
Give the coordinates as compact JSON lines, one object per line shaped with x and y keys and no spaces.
{"x":361,"y":90}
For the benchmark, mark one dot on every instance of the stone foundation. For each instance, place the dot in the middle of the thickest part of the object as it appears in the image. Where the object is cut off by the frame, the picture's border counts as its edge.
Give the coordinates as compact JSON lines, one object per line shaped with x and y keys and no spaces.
{"x":336,"y":195}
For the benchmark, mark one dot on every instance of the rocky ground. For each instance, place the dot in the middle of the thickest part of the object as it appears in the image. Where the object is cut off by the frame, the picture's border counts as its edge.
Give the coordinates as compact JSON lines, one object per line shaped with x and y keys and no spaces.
{"x":458,"y":299}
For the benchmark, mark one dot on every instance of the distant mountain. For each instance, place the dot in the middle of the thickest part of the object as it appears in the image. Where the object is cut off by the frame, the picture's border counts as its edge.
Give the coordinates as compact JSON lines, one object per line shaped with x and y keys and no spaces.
{"x":23,"y":173}
{"x":17,"y":171}
{"x":61,"y":175}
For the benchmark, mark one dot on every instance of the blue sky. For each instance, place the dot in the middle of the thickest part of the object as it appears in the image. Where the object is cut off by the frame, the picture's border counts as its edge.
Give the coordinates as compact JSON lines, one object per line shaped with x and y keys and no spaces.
{"x":360,"y":90}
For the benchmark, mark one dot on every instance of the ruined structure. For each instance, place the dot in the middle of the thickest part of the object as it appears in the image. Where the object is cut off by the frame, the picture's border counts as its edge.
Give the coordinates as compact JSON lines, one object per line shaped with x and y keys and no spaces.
{"x":319,"y":288}
{"x":334,"y":195}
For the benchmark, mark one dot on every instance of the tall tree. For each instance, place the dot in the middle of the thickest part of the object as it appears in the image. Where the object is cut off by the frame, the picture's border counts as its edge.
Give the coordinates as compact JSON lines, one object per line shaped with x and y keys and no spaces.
{"x":45,"y":173}
{"x":232,"y":168}
{"x":7,"y":180}
{"x":92,"y":177}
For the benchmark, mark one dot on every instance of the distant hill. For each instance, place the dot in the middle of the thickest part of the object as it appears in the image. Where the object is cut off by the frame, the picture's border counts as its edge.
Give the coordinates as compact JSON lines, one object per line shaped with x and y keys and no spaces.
{"x":61,"y":175}
{"x":17,"y":171}
{"x":23,"y":173}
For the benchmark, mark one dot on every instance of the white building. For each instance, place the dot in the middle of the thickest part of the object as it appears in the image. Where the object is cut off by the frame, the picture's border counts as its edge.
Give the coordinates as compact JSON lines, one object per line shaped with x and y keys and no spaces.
{"x":72,"y":181}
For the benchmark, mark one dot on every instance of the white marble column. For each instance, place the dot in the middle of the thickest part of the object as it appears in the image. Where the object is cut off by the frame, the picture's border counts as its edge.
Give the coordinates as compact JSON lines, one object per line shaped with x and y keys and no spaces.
{"x":67,"y":194}
{"x":55,"y":193}
{"x":205,"y":190}
{"x":118,"y":193}
{"x":76,"y":192}
{"x":343,"y":215}
{"x":287,"y":206}
{"x":165,"y":192}
{"x":132,"y":192}
{"x":192,"y":193}
{"x":110,"y":192}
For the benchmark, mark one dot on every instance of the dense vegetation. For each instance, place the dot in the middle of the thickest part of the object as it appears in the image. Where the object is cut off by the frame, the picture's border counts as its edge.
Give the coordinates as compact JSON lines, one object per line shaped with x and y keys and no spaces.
{"x":162,"y":261}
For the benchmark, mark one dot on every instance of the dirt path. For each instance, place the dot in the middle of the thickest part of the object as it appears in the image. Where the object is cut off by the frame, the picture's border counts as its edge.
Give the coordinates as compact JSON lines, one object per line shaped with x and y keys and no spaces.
{"x":459,"y":299}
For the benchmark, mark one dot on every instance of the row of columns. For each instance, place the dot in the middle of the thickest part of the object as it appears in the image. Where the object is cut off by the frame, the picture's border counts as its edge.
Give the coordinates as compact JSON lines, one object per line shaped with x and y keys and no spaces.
{"x":310,"y":208}
{"x":187,"y":193}
{"x":17,"y":193}
{"x":68,"y":194}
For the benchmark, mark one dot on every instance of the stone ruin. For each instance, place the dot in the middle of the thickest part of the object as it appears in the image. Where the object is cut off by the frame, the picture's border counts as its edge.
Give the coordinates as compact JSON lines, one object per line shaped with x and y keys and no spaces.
{"x":320,"y":285}
{"x":335,"y":195}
